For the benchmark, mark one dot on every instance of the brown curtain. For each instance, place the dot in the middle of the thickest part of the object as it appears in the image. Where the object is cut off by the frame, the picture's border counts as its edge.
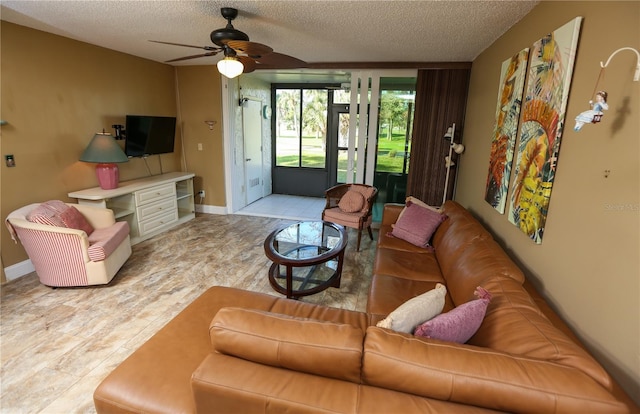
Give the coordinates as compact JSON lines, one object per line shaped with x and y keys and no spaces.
{"x":441,"y":97}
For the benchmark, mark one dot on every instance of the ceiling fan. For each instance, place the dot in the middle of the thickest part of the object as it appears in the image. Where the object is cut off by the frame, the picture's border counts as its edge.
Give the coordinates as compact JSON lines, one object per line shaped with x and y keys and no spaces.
{"x":240,"y":55}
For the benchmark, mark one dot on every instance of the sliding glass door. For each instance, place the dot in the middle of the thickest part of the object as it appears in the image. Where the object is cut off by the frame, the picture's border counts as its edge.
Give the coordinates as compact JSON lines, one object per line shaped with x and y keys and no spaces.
{"x":350,"y":133}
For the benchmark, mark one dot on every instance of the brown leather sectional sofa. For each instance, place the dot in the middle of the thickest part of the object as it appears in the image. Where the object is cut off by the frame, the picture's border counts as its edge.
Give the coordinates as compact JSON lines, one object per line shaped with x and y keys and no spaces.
{"x":234,"y":351}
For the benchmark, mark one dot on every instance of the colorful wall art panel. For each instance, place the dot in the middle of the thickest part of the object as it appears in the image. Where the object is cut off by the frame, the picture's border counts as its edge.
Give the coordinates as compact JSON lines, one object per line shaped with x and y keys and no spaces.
{"x":543,"y":113}
{"x":505,"y":129}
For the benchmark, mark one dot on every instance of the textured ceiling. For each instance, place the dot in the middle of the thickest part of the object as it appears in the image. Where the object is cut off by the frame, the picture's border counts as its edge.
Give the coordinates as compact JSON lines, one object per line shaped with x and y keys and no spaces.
{"x":314,"y":31}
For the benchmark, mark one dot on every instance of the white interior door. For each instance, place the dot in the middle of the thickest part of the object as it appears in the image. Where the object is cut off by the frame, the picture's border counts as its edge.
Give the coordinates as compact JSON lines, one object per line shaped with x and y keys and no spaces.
{"x":252,"y":132}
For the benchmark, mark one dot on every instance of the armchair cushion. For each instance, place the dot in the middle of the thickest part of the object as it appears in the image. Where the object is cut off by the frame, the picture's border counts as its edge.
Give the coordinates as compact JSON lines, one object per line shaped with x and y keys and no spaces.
{"x":59,"y":214}
{"x":351,"y":202}
{"x":105,"y":241}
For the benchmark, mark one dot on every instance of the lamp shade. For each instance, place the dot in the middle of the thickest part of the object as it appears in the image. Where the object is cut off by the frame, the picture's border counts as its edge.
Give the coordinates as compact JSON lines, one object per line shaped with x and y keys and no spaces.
{"x":103,"y":148}
{"x":230,"y":67}
{"x":105,"y":151}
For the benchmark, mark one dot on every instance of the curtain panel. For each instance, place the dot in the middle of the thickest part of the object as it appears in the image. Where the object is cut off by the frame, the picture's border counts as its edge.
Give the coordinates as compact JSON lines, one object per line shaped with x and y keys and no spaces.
{"x":441,"y":98}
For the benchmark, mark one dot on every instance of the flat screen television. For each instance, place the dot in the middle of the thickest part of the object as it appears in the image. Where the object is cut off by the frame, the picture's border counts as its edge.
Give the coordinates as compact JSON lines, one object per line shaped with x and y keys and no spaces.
{"x":149,"y":135}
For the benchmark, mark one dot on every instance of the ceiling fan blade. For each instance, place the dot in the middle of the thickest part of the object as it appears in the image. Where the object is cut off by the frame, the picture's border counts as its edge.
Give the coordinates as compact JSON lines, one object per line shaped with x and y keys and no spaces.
{"x":249,"y":64}
{"x":251,"y":49}
{"x":180,"y":44}
{"x":277,"y":60}
{"x":193,"y":56}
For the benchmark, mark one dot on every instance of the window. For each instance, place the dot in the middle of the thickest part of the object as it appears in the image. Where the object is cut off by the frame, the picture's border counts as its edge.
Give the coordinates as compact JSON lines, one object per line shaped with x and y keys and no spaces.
{"x":301,"y":127}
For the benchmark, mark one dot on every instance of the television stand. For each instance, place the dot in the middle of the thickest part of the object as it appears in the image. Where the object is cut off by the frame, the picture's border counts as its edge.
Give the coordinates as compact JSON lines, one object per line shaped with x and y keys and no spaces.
{"x":150,"y":205}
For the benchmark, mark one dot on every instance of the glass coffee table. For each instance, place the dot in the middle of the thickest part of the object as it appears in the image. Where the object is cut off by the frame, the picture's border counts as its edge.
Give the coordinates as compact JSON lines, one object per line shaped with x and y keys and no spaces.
{"x":307,"y":257}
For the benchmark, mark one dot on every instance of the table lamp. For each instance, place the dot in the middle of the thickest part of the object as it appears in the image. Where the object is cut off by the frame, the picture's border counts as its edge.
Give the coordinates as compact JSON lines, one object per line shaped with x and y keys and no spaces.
{"x":105,"y":151}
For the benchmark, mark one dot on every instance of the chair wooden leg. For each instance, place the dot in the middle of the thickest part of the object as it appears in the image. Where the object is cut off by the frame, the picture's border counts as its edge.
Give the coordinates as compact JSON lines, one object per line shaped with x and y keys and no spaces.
{"x":370,"y":233}
{"x":359,"y":236}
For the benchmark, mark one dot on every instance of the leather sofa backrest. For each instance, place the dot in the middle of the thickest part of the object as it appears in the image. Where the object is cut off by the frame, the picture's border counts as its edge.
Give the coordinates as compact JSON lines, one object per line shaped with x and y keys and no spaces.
{"x":479,"y":376}
{"x":455,"y":234}
{"x":477,"y":264}
{"x":513,"y":323}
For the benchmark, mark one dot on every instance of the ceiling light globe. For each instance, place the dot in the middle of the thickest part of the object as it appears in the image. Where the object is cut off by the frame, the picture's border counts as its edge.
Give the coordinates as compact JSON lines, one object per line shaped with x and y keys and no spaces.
{"x":230,"y":67}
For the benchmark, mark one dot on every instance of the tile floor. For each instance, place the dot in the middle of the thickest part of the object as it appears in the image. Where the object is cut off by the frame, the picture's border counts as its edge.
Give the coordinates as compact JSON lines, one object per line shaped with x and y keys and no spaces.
{"x":286,"y":207}
{"x":56,"y":345}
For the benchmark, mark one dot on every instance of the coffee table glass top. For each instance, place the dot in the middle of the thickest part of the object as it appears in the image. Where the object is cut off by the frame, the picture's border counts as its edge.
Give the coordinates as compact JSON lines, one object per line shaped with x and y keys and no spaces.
{"x":307,"y":257}
{"x":306,"y":240}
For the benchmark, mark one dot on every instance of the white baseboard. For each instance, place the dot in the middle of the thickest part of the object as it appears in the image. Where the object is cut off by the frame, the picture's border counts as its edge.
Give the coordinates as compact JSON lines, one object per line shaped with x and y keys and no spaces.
{"x":203,"y":208}
{"x":19,"y":269}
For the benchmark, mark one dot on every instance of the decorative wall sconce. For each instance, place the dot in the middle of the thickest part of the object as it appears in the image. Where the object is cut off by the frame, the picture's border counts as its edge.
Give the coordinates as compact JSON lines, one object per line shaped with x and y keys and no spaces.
{"x":636,"y":75}
{"x":120,"y":132}
{"x":448,"y":160}
{"x":598,"y":104}
{"x":211,"y":124}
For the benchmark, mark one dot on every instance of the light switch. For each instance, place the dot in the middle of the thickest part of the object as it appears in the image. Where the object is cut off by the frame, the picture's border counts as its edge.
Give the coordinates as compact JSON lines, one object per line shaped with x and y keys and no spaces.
{"x":199,"y":146}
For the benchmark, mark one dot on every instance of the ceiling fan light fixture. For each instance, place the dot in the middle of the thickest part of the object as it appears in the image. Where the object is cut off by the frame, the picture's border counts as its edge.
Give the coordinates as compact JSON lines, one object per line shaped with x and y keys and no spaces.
{"x":230,"y":67}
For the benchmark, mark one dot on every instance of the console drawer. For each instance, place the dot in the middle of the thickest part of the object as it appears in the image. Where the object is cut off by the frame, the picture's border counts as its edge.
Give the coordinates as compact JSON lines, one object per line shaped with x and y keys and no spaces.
{"x":150,"y":210}
{"x":149,"y":195}
{"x":157,"y":222}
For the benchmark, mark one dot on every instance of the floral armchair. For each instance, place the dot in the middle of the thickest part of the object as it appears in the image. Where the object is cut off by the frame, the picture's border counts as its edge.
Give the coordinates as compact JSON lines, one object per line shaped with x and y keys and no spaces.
{"x":71,"y":244}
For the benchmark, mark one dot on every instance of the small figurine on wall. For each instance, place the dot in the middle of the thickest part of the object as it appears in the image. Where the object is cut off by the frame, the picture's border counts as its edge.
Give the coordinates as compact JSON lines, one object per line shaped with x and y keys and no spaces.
{"x":593,"y":115}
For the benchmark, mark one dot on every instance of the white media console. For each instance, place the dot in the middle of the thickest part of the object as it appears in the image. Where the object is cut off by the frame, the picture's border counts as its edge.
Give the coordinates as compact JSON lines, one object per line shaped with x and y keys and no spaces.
{"x":150,"y":205}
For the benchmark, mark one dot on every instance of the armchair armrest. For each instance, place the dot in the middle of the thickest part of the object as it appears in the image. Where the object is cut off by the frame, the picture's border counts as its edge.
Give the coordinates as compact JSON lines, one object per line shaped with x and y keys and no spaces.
{"x":31,"y":235}
{"x":25,"y":224}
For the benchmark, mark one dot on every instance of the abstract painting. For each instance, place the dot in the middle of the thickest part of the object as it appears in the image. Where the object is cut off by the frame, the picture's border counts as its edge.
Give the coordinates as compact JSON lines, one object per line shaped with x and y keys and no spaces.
{"x":505,"y":129}
{"x":543,"y":113}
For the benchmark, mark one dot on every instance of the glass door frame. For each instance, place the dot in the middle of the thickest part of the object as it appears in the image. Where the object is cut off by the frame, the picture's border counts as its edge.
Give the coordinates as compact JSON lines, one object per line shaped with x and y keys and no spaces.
{"x":365,"y":88}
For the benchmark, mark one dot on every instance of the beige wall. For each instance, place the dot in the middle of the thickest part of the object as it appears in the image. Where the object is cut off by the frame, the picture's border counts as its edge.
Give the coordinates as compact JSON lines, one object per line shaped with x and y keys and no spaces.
{"x":56,"y":93}
{"x":588,"y":264}
{"x":200,"y":101}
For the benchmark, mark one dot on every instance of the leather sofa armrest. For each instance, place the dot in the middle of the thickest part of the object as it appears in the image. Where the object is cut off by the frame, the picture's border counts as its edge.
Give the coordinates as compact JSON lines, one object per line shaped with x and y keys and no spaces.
{"x":479,"y":376}
{"x":317,"y":347}
{"x":390,"y":213}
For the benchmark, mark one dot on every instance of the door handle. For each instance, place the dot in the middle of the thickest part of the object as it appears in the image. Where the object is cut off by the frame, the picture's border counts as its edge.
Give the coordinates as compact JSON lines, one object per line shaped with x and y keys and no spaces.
{"x":248,"y":159}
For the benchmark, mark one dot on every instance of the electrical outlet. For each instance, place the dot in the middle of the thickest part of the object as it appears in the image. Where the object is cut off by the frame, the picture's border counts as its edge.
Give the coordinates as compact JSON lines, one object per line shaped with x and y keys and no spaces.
{"x":201,"y":193}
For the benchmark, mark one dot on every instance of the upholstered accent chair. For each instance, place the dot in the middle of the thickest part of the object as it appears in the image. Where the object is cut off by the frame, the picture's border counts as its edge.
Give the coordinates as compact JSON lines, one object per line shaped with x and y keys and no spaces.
{"x":351,"y":205}
{"x":71,"y":244}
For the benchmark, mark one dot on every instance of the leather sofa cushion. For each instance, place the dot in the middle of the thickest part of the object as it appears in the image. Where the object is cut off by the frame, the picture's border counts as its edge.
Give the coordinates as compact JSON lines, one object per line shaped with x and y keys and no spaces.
{"x":317,"y":347}
{"x":477,"y":376}
{"x":224,"y":384}
{"x":155,"y":378}
{"x":514,"y":324}
{"x":389,"y":292}
{"x":407,"y":265}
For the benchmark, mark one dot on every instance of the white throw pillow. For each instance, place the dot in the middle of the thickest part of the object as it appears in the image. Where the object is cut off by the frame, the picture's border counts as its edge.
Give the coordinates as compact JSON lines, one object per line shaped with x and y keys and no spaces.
{"x":416,"y":311}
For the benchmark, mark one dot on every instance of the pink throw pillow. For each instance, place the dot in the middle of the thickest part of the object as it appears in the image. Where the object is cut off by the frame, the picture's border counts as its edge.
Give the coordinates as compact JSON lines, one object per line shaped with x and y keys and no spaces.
{"x":74,"y":219}
{"x":351,"y":202}
{"x":59,"y":214}
{"x":417,"y":224}
{"x":459,"y":324}
{"x":46,"y":213}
